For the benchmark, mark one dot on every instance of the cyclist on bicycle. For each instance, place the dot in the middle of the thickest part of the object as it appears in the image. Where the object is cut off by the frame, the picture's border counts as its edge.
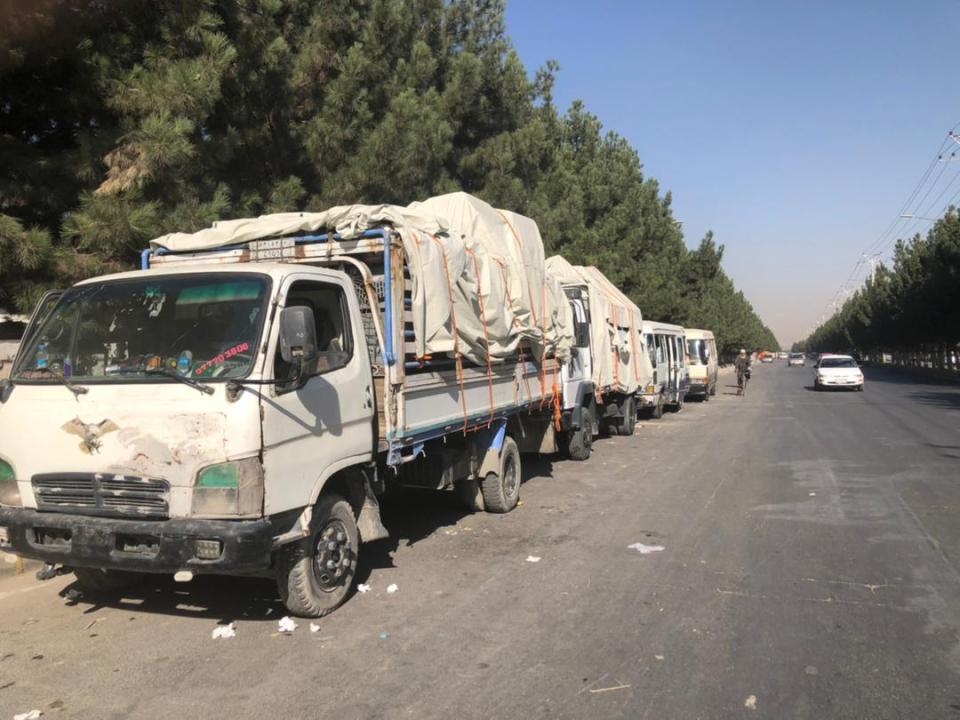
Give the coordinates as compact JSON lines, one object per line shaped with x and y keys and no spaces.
{"x":742,"y":365}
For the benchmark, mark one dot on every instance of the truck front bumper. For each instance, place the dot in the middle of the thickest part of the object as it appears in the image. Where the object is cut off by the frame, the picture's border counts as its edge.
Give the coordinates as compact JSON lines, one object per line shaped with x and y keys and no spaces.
{"x":156,"y":546}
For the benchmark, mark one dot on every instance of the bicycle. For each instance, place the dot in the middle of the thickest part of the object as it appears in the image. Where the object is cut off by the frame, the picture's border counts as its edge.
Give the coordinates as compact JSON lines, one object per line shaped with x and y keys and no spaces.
{"x":743,"y":377}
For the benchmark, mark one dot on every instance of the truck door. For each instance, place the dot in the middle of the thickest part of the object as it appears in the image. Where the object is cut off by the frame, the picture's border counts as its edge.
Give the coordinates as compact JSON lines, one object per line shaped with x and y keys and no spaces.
{"x":327,"y":423}
{"x":40,"y":313}
{"x":672,"y":364}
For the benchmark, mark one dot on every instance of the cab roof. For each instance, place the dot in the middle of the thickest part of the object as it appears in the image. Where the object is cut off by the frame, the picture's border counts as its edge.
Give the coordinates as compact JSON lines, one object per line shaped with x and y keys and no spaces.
{"x":274,"y":270}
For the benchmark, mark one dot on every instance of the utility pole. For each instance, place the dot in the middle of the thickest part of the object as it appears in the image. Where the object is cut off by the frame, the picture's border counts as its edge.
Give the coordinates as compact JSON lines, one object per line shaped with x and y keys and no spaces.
{"x":874,"y":261}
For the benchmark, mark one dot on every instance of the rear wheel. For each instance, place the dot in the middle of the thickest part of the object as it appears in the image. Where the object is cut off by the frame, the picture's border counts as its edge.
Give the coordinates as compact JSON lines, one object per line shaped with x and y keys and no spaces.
{"x":501,"y":490}
{"x":99,"y":580}
{"x":314,"y":575}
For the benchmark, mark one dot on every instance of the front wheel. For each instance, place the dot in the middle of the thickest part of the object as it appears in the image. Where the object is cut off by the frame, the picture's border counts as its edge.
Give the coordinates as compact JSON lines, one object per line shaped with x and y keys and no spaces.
{"x":501,"y":490}
{"x":658,"y":408}
{"x":315,"y":575}
{"x":578,"y":444}
{"x":628,"y":422}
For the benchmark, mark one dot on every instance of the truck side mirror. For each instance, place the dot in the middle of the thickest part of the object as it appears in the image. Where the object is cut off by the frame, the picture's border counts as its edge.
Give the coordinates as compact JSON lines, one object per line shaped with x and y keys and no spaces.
{"x":298,"y":335}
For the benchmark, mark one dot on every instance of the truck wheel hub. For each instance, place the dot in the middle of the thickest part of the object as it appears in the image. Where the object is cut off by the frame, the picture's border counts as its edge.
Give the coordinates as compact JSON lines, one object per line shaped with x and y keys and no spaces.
{"x":332,"y":555}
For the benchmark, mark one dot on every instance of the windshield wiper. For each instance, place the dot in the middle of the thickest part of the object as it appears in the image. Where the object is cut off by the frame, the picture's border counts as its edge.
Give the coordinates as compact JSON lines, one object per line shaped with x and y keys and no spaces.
{"x":75,"y":389}
{"x":202,"y":387}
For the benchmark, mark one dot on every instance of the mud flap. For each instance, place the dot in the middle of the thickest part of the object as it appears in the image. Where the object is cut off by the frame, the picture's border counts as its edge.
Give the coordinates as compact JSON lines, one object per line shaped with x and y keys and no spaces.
{"x":369,"y":523}
{"x":470,"y":493}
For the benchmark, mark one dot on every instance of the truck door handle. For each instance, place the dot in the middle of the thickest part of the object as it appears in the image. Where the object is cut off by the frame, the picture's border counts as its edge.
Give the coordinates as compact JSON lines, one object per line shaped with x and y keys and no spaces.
{"x":367,"y":397}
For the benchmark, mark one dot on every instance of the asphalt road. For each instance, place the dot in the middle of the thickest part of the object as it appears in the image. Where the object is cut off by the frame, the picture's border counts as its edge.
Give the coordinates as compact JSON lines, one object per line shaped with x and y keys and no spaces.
{"x":810,"y":570}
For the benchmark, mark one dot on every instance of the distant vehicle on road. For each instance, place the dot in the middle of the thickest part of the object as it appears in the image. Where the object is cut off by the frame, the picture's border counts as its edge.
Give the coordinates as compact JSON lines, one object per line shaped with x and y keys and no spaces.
{"x":702,"y":354}
{"x":795,"y":360}
{"x":767,"y":358}
{"x":837,"y":371}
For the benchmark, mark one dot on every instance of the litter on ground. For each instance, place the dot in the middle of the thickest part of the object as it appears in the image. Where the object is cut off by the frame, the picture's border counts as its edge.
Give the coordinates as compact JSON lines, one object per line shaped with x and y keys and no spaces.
{"x":751,"y":702}
{"x":645,"y":549}
{"x":363,"y":588}
{"x":32,"y":715}
{"x":286,"y":625}
{"x":392,"y":588}
{"x":224,"y":631}
{"x":314,"y":627}
{"x":384,"y":636}
{"x":608,"y":689}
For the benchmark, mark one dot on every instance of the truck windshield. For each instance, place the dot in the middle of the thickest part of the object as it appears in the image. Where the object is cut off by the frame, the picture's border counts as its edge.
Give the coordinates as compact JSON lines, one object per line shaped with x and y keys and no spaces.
{"x":200,"y":326}
{"x":697,"y":349}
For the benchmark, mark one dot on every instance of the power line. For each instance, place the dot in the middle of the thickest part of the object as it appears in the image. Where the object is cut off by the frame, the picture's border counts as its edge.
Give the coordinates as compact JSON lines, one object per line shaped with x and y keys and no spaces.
{"x":873,"y":252}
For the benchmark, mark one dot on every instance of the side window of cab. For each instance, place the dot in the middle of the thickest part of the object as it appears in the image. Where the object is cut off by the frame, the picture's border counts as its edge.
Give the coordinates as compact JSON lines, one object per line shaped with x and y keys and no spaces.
{"x":334,"y":338}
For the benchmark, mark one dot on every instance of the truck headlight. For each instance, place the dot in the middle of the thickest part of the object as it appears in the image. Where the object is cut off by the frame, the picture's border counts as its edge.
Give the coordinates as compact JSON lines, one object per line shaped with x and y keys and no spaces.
{"x":9,"y":492}
{"x":229,"y":489}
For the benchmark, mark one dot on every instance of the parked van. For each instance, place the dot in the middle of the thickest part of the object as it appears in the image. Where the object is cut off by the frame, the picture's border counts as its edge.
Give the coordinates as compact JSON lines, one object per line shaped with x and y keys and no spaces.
{"x":702,"y":355}
{"x":667,"y":349}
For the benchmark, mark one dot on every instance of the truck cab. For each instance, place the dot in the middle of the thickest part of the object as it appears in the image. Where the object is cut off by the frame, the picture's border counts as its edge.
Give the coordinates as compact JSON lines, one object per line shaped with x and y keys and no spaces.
{"x":181,"y":420}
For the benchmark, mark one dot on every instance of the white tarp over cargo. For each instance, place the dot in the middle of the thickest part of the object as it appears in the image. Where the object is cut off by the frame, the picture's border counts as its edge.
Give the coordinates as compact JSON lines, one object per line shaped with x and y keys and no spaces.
{"x":616,"y":342}
{"x":477,"y":273}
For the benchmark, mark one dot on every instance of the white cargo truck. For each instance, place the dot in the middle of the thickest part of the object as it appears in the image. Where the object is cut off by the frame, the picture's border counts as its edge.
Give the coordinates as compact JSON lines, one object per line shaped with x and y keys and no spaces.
{"x":237,"y":405}
{"x":612,"y":354}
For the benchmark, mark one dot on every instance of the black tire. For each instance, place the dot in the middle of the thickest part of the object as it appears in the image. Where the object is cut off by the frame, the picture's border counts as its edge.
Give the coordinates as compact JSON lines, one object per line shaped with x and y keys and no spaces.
{"x":859,"y":388}
{"x":578,"y":444}
{"x":308,"y":585}
{"x":817,"y":386}
{"x":628,"y":422}
{"x":679,"y":406}
{"x":501,"y":490}
{"x":713,"y":388}
{"x":99,"y":580}
{"x":706,"y":395}
{"x":657,"y":412}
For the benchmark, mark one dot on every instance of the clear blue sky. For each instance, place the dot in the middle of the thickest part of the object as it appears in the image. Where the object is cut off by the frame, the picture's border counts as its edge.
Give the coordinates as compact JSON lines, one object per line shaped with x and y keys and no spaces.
{"x":794,"y":130}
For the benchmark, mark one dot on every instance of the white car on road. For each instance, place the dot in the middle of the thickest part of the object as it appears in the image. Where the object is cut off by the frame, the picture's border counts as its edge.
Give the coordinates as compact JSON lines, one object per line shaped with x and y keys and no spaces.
{"x":837,"y":371}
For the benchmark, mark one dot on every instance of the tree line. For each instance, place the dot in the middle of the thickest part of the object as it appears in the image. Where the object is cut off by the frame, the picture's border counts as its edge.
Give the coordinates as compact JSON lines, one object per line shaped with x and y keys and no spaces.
{"x":120,"y":121}
{"x":912,"y":305}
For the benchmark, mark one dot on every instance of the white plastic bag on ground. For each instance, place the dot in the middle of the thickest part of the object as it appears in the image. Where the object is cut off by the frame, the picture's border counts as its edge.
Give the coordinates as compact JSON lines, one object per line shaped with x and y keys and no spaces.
{"x":645,"y":549}
{"x":224,"y":631}
{"x":286,"y":625}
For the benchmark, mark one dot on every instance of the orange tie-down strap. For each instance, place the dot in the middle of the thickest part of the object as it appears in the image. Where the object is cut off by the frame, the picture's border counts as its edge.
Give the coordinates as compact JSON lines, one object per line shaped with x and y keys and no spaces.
{"x":557,"y":415}
{"x":486,"y":332}
{"x":456,"y":334}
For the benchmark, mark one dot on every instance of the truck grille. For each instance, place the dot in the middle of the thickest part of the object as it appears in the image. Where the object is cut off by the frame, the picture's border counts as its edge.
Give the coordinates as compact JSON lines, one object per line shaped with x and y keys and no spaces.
{"x":102,"y":494}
